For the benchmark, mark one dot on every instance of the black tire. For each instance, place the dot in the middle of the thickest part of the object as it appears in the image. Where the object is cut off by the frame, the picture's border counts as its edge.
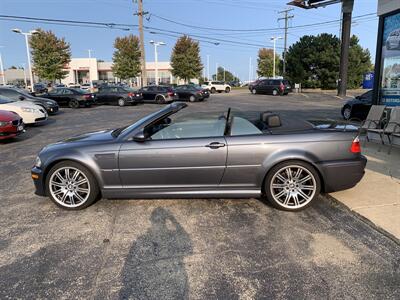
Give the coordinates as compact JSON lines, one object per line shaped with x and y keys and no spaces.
{"x":271,"y":177}
{"x":73,"y":103}
{"x":92,"y":183}
{"x":346,"y":112}
{"x":227,"y":90}
{"x":254,"y":91}
{"x":192,"y":98}
{"x":121,"y":102}
{"x":160,"y":99}
{"x":213,"y":90}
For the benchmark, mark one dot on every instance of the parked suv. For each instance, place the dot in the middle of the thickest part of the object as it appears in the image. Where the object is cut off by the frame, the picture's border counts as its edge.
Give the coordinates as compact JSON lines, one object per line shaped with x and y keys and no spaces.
{"x":157,"y":93}
{"x":216,"y":86}
{"x":271,"y":86}
{"x":16,"y":94}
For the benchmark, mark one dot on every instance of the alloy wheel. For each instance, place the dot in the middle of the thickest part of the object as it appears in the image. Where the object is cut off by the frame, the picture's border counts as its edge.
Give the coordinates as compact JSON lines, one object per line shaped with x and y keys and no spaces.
{"x":69,"y":186}
{"x":293,"y":186}
{"x":121,"y":102}
{"x":192,"y":99}
{"x":347,"y":113}
{"x":254,"y":91}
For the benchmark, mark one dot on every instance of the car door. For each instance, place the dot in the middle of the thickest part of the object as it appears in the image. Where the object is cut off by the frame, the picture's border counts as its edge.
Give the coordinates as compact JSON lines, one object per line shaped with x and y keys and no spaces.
{"x":146,"y":93}
{"x":55,"y":95}
{"x":176,"y":155}
{"x":101,"y":96}
{"x":365,"y":105}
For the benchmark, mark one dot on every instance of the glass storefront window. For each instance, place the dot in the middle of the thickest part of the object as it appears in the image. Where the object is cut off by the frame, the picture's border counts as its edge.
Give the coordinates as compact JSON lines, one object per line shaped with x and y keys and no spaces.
{"x":390,"y":84}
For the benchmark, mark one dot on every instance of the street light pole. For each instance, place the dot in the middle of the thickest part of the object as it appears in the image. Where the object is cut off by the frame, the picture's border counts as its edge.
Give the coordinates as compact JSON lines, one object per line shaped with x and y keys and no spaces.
{"x":156,"y":44}
{"x":90,"y":77}
{"x":25,"y":81}
{"x":3,"y":76}
{"x":208,"y":67}
{"x":274,"y":39}
{"x":28,"y":54}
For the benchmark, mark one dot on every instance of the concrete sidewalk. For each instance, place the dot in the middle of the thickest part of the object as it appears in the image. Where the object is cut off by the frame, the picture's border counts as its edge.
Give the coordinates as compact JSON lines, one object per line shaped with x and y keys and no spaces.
{"x":377,"y":196}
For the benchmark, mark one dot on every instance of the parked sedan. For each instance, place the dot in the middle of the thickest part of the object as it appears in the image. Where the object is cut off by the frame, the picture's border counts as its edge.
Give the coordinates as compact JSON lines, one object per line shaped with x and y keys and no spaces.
{"x":118,"y":96}
{"x":157,"y":93}
{"x":73,"y":98}
{"x":16,"y":94}
{"x":11,"y":124}
{"x":358,"y":107}
{"x":173,"y":154}
{"x":31,"y":113}
{"x":188,"y":93}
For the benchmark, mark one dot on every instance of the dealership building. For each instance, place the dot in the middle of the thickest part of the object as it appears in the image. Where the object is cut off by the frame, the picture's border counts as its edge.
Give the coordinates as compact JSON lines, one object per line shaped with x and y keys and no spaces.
{"x":84,"y":70}
{"x":387,"y":63}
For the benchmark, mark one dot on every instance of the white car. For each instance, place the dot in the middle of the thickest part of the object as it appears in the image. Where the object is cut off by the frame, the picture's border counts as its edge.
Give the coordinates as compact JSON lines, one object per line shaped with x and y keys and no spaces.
{"x":393,"y":40}
{"x":29,"y":112}
{"x":85,"y":86}
{"x":216,"y":86}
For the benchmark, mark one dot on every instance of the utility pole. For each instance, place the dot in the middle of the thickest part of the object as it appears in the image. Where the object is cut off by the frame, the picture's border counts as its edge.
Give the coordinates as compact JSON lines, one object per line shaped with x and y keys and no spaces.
{"x":250,"y":70}
{"x":216,"y":71}
{"x":208,"y":67}
{"x":286,"y":18}
{"x":140,"y":13}
{"x":347,"y":9}
{"x":90,"y":77}
{"x":273,"y":39}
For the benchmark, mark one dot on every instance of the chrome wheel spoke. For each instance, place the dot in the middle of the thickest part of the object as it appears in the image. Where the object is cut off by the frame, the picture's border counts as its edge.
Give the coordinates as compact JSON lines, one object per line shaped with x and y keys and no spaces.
{"x":69,"y":187}
{"x":293,"y":186}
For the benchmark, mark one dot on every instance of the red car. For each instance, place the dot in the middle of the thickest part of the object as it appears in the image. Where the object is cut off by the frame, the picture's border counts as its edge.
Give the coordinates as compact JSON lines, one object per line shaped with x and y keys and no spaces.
{"x":11,"y":124}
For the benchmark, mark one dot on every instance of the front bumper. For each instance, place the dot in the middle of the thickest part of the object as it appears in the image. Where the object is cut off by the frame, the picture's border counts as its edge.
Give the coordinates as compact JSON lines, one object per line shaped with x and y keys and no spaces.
{"x":11,"y":131}
{"x":342,"y":175}
{"x":52,"y":110}
{"x":38,"y":181}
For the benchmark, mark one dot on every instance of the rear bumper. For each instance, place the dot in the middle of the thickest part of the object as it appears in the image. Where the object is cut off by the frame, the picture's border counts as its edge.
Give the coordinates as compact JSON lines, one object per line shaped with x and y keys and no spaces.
{"x":342,"y":175}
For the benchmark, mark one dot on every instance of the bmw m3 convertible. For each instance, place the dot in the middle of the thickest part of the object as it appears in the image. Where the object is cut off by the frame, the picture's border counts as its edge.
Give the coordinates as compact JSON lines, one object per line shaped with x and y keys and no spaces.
{"x":173,"y":154}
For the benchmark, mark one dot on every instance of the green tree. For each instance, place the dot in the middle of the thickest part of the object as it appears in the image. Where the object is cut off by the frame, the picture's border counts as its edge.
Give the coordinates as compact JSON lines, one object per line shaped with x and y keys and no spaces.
{"x":266,"y":64}
{"x":126,"y":57}
{"x":50,"y":55}
{"x":359,"y":63}
{"x":314,"y":61}
{"x":228,"y":75}
{"x":185,"y":59}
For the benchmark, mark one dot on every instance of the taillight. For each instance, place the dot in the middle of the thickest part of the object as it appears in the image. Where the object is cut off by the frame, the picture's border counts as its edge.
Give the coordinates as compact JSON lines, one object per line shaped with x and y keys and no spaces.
{"x":130,"y":94}
{"x":87,"y":97}
{"x":355,"y":146}
{"x":171,"y":94}
{"x":282,"y":87}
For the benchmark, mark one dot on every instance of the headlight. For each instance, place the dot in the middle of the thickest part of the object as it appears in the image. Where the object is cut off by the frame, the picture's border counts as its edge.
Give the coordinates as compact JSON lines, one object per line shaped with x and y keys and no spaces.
{"x":28,"y":109}
{"x":38,"y":162}
{"x":49,"y":102}
{"x":3,"y":124}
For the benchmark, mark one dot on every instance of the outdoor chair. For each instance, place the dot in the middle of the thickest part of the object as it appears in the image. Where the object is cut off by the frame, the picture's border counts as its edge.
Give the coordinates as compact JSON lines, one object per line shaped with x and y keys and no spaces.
{"x":391,"y":129}
{"x":373,"y":120}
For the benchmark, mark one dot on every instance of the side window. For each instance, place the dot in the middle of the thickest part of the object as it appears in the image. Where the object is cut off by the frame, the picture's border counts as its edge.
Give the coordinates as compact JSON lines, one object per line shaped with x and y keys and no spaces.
{"x":55,"y":92}
{"x":145,"y":89}
{"x":168,"y":129}
{"x":9,"y":93}
{"x":152,"y":89}
{"x":67,"y":92}
{"x":241,"y":126}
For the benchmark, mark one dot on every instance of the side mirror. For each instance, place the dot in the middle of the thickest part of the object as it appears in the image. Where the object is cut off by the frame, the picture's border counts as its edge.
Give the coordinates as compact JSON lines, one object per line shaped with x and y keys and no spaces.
{"x":21,"y":97}
{"x":139,"y":137}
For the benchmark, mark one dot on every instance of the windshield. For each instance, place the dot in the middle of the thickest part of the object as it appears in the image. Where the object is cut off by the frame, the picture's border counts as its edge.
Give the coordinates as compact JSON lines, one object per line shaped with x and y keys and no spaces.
{"x":21,"y":91}
{"x":80,"y":91}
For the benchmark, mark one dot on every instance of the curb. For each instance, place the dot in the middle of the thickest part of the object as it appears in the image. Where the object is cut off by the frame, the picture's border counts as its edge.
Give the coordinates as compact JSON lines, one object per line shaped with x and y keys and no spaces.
{"x":361,"y":218}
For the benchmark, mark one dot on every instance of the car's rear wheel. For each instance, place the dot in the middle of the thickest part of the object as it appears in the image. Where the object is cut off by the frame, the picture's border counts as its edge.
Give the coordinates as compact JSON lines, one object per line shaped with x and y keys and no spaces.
{"x":73,"y":103}
{"x":227,"y":90}
{"x":254,"y":91}
{"x":275,"y":92}
{"x":292,"y":185}
{"x":71,"y":186}
{"x":160,"y":99}
{"x":121,"y":102}
{"x":213,"y":90}
{"x":192,"y":98}
{"x":347,"y":113}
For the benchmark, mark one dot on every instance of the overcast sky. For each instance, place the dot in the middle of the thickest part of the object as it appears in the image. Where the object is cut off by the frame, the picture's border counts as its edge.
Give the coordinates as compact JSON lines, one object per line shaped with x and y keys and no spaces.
{"x":219,"y":16}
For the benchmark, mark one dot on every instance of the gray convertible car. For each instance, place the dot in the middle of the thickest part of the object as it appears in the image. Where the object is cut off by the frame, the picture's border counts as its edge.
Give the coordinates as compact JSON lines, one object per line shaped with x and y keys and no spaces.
{"x":171,"y":154}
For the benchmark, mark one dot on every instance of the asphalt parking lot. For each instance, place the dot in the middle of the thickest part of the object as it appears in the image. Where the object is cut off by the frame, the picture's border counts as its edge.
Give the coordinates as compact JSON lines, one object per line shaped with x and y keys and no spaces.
{"x":179,"y":249}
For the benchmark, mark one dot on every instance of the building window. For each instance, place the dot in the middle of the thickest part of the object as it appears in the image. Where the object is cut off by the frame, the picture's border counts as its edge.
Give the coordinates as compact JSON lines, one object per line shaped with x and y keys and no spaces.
{"x":390,"y":83}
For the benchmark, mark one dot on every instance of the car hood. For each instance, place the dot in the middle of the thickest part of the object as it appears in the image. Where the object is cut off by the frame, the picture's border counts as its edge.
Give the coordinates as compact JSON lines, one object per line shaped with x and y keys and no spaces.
{"x":42,"y":100}
{"x":20,"y":104}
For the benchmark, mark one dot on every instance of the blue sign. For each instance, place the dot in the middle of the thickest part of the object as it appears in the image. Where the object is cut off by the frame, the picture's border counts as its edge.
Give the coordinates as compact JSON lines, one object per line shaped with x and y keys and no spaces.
{"x":368,"y":81}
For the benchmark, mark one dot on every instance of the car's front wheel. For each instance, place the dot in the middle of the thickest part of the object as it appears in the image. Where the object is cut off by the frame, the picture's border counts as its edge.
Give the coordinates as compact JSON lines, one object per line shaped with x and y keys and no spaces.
{"x":227,"y":90}
{"x":160,"y":99}
{"x":254,"y":91}
{"x":192,"y":98}
{"x":292,"y":185}
{"x":213,"y":90}
{"x":275,"y":92}
{"x":347,"y":113}
{"x":71,"y":185}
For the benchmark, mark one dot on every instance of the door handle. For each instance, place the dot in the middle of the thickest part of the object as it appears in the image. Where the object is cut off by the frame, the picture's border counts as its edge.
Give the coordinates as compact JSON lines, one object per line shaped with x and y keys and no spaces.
{"x":215,"y":145}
